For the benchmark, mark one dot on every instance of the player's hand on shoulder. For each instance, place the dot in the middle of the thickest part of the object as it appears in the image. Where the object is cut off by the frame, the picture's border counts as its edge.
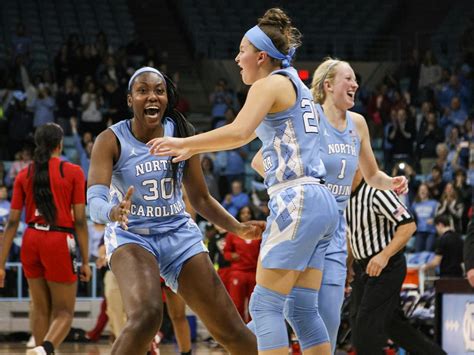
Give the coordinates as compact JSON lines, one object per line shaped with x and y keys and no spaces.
{"x":170,"y":146}
{"x":119,"y":213}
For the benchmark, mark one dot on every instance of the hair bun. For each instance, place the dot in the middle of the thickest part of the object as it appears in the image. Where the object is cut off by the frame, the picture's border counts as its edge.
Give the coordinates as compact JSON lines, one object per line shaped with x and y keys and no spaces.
{"x":275,"y":17}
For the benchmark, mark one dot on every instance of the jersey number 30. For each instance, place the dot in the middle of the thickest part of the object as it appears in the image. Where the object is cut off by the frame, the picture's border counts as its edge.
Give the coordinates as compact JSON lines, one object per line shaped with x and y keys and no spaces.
{"x":164,"y":190}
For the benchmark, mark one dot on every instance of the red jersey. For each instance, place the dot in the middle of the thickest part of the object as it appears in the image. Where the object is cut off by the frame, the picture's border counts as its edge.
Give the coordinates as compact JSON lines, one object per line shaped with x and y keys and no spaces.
{"x":67,"y":183}
{"x":247,"y":250}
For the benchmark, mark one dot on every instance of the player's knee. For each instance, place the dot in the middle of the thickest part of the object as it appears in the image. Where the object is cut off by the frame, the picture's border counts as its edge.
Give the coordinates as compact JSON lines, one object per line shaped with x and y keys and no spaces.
{"x":177,"y":317}
{"x":301,"y":311}
{"x":146,"y":318}
{"x":266,"y":308}
{"x":63,"y":313}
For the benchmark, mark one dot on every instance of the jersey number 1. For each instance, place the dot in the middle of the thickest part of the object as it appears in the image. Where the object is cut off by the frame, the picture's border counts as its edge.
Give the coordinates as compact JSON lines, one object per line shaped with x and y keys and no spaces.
{"x":343,"y":169}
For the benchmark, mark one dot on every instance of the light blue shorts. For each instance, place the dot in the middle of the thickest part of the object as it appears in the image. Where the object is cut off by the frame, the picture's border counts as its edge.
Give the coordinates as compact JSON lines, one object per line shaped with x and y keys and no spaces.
{"x":171,"y":249}
{"x":335,"y":260}
{"x":300,"y":226}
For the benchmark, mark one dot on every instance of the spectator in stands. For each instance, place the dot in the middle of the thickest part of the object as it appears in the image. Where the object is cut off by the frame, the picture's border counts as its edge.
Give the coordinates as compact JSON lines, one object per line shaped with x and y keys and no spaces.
{"x":378,"y":111}
{"x":3,"y":173}
{"x":207,"y":165}
{"x":402,"y":136}
{"x":424,"y":210}
{"x":228,"y":118}
{"x":83,"y":151}
{"x":89,"y":61}
{"x":467,"y":130}
{"x":114,"y":107}
{"x":243,"y":256}
{"x":52,"y":192}
{"x":451,"y":89}
{"x":21,"y":44}
{"x":460,"y":156}
{"x":43,"y":107}
{"x":22,"y":160}
{"x":429,"y":136}
{"x":102,"y":44}
{"x":449,"y":249}
{"x":108,"y":70}
{"x":452,"y":206}
{"x":453,"y":116}
{"x":61,"y":65}
{"x":465,"y":193}
{"x":422,"y":114}
{"x":230,"y":165}
{"x":235,"y":200}
{"x":443,"y":162}
{"x":430,"y":71}
{"x":183,"y":104}
{"x":469,"y":252}
{"x":435,"y":182}
{"x":136,"y":50}
{"x":68,"y":103}
{"x":219,"y":99}
{"x":92,"y":101}
{"x":20,"y":124}
{"x":4,"y":207}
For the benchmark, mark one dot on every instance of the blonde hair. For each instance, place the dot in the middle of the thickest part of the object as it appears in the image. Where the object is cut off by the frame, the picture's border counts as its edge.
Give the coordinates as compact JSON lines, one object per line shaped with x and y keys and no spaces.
{"x":325,"y":71}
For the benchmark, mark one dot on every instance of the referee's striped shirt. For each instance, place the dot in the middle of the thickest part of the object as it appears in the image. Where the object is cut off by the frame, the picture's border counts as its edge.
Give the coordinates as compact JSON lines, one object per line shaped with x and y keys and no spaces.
{"x":372,"y":218}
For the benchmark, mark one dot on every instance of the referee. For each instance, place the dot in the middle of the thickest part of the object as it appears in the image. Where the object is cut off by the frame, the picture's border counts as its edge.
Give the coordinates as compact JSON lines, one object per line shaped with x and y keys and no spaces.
{"x":379,"y":227}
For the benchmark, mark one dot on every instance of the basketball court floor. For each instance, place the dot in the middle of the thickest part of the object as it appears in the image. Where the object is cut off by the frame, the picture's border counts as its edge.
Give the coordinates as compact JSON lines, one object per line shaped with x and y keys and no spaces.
{"x":103,"y":348}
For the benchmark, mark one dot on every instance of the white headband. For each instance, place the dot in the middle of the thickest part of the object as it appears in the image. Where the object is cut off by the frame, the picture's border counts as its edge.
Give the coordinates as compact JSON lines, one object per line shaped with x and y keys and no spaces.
{"x":145,"y":70}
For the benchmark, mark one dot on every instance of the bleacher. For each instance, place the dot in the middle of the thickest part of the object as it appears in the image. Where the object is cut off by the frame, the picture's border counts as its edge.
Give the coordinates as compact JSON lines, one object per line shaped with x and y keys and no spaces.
{"x":446,"y":40}
{"x":348,"y":30}
{"x":49,"y":23}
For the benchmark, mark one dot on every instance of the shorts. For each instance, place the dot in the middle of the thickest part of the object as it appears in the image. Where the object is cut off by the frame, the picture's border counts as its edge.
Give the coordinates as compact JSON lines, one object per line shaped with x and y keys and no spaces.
{"x":49,"y":255}
{"x":300,"y":226}
{"x":171,"y":249}
{"x":335,"y":270}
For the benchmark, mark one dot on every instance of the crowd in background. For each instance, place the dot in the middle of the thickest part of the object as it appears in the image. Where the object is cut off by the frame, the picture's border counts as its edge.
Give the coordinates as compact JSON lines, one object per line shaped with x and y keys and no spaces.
{"x":421,"y":120}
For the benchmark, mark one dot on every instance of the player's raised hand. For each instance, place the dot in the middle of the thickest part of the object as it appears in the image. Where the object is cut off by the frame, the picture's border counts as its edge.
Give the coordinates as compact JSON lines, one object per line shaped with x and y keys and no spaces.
{"x":400,"y":185}
{"x":120,"y":212}
{"x":169,"y":146}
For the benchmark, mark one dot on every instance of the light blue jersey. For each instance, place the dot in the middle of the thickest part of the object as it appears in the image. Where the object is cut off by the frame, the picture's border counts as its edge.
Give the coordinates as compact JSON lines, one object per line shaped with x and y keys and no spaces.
{"x":158,"y":221}
{"x":340,"y":154}
{"x":157,"y":202}
{"x":303,"y":213}
{"x":289,"y":149}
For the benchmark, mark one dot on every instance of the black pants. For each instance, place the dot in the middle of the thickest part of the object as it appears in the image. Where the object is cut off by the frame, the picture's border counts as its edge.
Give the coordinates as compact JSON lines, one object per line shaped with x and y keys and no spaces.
{"x":376,"y":314}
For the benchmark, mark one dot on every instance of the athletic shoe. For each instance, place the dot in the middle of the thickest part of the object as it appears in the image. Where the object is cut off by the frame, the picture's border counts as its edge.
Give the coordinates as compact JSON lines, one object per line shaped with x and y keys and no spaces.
{"x":39,"y":350}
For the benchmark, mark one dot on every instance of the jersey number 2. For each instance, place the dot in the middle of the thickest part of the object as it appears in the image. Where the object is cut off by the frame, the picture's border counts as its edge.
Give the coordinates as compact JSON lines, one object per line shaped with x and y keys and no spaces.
{"x":309,"y":117}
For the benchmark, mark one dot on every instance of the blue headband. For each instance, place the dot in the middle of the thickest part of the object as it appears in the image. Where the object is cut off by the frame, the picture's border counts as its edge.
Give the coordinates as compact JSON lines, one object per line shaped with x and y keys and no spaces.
{"x":262,"y":42}
{"x":145,"y":70}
